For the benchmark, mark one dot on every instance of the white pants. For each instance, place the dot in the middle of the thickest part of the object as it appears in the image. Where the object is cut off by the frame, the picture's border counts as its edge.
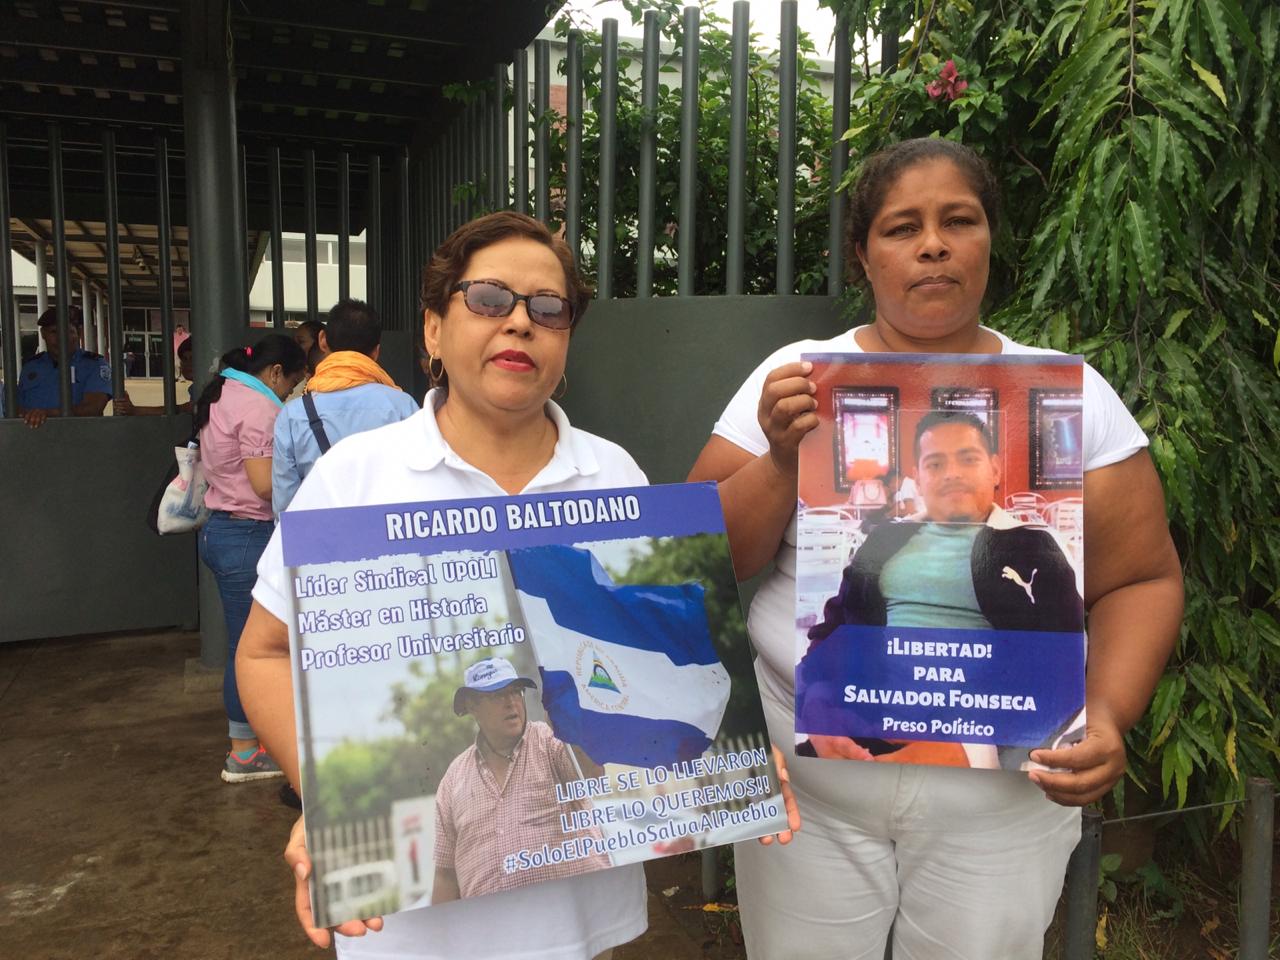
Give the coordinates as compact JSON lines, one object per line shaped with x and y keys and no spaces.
{"x":961,"y":864}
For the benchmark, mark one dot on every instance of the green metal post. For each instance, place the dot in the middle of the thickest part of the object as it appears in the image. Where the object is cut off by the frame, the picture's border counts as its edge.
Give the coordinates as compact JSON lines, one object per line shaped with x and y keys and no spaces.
{"x":648,"y":155}
{"x":344,"y":225}
{"x":608,"y":112}
{"x":313,"y":272}
{"x":1082,"y":889}
{"x":8,"y":317}
{"x":484,"y":136}
{"x":164,"y":261}
{"x":373,"y":234}
{"x":520,"y":87}
{"x":277,"y":239}
{"x":541,"y":133}
{"x":787,"y":46}
{"x":434,"y":202}
{"x":62,"y":277}
{"x":115,"y":319}
{"x":1257,"y":838}
{"x":402,"y":222}
{"x":889,"y":27}
{"x":501,"y":165}
{"x":242,"y":234}
{"x":217,"y":274}
{"x":686,"y":228}
{"x":839,"y":156}
{"x":735,"y":254}
{"x":573,"y":159}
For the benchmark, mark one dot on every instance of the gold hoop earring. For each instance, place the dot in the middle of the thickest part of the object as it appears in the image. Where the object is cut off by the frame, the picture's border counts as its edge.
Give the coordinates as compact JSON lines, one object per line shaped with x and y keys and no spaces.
{"x":564,"y":387}
{"x":436,"y":376}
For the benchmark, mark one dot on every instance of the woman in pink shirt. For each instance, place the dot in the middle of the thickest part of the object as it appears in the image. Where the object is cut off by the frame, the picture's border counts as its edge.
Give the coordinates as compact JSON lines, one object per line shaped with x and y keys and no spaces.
{"x":235,"y":417}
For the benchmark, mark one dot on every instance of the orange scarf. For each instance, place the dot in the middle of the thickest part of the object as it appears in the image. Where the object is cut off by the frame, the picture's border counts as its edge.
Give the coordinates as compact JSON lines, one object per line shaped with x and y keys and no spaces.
{"x":344,"y":369}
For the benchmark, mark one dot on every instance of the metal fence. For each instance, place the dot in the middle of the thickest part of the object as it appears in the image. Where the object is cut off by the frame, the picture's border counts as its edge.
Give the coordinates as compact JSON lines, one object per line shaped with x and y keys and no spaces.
{"x":103,"y":293}
{"x":1257,"y":837}
{"x":472,"y":168}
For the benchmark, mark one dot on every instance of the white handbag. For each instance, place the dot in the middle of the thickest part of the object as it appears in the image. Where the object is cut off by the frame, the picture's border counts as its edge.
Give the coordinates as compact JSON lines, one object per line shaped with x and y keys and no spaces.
{"x":181,"y":508}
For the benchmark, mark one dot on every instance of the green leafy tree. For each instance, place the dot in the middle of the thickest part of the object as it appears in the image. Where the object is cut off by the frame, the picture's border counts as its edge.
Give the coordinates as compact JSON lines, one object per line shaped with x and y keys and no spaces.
{"x":358,"y":780}
{"x":1139,"y":149}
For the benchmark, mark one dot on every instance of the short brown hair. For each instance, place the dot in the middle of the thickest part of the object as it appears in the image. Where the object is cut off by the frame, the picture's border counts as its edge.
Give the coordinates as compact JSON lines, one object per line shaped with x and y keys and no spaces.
{"x":880,"y":172}
{"x":450,"y":259}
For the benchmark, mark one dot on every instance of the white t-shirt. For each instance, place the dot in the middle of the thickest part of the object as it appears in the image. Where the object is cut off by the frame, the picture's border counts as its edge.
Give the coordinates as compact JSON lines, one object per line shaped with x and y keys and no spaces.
{"x":1110,"y":435}
{"x":571,"y":919}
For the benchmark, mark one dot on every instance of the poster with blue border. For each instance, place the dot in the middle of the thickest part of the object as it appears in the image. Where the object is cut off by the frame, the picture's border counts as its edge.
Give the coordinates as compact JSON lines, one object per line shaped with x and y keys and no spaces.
{"x":496,"y":692}
{"x":940,"y":548}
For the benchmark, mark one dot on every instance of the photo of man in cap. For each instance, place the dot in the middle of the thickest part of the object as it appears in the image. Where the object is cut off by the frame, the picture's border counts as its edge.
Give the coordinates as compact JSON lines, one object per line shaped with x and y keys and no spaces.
{"x":39,"y":395}
{"x":499,"y":795}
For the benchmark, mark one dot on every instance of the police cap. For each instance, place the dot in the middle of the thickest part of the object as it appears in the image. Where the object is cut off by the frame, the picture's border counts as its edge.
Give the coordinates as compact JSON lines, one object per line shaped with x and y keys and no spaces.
{"x":50,"y":317}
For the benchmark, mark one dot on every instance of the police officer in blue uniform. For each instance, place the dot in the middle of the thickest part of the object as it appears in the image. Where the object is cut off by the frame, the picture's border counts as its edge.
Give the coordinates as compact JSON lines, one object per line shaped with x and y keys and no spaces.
{"x":38,"y":393}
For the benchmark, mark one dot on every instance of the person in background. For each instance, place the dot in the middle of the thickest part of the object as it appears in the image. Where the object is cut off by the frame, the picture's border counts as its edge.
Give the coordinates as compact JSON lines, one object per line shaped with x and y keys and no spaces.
{"x":39,"y":394}
{"x":349,"y":393}
{"x":314,"y":356}
{"x":307,"y":335}
{"x":123,"y":406}
{"x":944,"y":861}
{"x":235,"y":419}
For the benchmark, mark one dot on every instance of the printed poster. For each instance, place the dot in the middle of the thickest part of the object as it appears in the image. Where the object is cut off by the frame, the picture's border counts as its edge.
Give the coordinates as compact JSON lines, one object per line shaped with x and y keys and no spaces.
{"x":496,"y":692}
{"x":939,"y":562}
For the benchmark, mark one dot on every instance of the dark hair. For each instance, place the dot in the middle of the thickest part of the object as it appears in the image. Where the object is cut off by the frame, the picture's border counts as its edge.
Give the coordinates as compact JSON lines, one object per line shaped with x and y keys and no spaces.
{"x":184,"y":347}
{"x":939,"y":417}
{"x":314,"y":356}
{"x":450,"y":260}
{"x":880,"y":172}
{"x":315,"y":326}
{"x":75,"y":317}
{"x":353,"y":325}
{"x":272,"y":349}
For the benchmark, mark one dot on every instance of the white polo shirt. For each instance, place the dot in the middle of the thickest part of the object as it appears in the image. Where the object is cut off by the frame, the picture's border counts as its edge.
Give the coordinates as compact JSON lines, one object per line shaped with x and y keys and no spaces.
{"x":571,"y":919}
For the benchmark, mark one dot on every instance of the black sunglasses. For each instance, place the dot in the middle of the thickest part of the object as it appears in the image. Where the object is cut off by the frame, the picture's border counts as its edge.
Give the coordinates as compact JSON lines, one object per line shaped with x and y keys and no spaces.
{"x":488,"y":298}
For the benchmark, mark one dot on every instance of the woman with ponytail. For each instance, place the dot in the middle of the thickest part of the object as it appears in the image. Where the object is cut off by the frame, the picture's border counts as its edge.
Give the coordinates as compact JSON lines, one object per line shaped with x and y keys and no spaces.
{"x":235,"y":418}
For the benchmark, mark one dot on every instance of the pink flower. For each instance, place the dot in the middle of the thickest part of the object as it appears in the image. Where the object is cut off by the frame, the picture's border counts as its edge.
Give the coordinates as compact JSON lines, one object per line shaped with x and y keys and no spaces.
{"x":948,"y":83}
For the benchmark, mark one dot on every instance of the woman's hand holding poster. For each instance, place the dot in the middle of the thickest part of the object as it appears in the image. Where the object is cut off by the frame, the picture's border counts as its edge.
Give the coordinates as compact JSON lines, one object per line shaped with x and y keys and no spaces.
{"x":940,"y":526}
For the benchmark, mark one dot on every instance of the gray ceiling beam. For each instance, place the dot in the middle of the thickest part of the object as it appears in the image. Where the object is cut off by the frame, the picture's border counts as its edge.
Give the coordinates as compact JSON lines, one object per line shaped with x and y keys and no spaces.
{"x":427,"y":28}
{"x":367,"y":134}
{"x":53,"y":34}
{"x":103,"y":75}
{"x":286,"y":96}
{"x":424,"y":71}
{"x":153,"y":6}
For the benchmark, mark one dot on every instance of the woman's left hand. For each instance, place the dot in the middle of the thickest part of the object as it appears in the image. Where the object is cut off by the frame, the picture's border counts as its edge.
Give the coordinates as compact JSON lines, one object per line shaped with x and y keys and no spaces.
{"x":788,"y":801}
{"x":1086,"y":770}
{"x":299,"y":861}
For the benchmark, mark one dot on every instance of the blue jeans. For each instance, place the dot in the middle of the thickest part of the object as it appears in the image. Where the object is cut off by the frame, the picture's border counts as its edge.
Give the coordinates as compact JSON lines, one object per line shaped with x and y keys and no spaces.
{"x":230,"y":548}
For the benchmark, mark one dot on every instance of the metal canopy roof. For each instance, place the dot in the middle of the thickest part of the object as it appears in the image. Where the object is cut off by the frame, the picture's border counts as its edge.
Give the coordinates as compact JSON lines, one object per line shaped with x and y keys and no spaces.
{"x":364,"y":76}
{"x":87,"y":256}
{"x":366,"y":73}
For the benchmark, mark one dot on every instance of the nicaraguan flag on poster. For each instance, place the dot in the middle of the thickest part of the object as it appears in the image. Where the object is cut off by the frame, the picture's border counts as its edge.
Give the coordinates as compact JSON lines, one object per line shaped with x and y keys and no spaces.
{"x":629,"y":672}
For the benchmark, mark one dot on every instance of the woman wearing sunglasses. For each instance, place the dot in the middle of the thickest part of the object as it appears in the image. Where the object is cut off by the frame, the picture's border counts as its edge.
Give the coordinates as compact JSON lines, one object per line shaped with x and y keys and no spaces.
{"x":501,"y":297}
